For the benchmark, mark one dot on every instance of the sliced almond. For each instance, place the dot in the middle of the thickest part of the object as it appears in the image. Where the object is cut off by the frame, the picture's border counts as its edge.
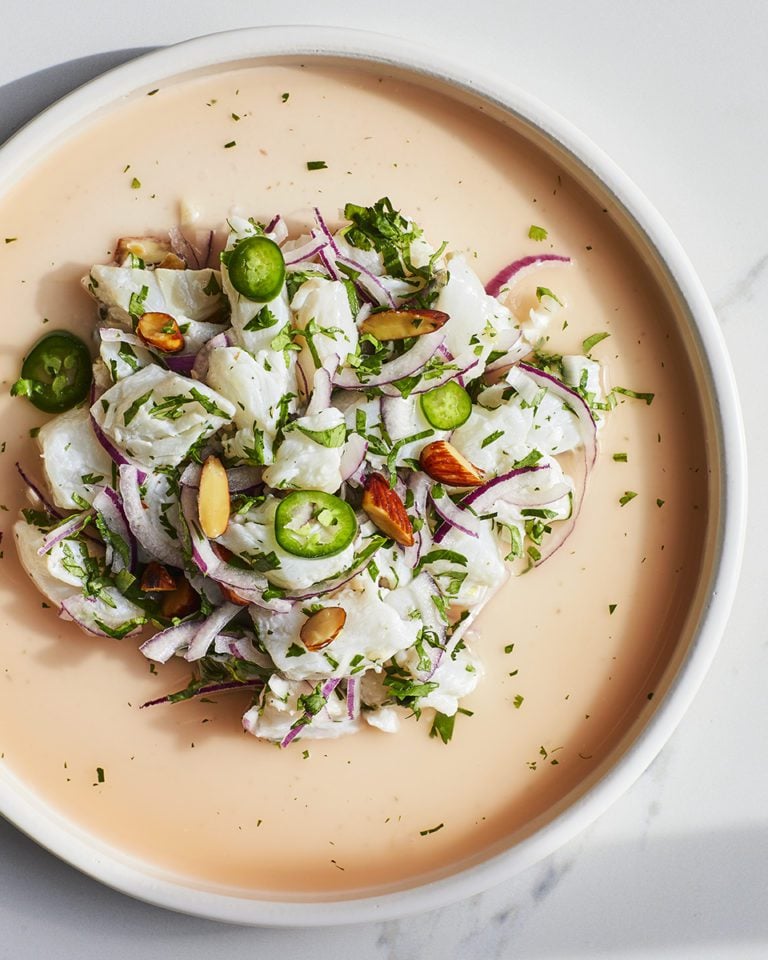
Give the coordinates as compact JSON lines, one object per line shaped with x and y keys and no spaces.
{"x":402,"y":323}
{"x":160,"y":331}
{"x":180,"y":602}
{"x":443,"y":462}
{"x":386,"y":509}
{"x":322,"y":627}
{"x":156,"y":579}
{"x":171,"y":262}
{"x":152,"y":250}
{"x":213,"y":498}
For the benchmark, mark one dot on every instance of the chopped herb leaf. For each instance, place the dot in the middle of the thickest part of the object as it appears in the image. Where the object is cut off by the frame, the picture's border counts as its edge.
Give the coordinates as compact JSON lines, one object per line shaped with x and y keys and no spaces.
{"x":592,"y":341}
{"x":317,"y":165}
{"x":135,"y":183}
{"x":628,"y":495}
{"x":232,"y":143}
{"x":537,"y":233}
{"x":634,"y":395}
{"x":620,"y":457}
{"x":612,"y":607}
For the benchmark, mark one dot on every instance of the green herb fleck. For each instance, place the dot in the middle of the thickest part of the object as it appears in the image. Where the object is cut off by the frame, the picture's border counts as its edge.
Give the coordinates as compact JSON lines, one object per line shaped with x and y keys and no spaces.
{"x":612,"y":607}
{"x":284,"y":97}
{"x":634,"y":395}
{"x":546,"y":292}
{"x":620,"y":457}
{"x":628,"y":495}
{"x":593,"y":341}
{"x":537,"y":233}
{"x":99,"y":774}
{"x":659,"y":502}
{"x":317,"y":165}
{"x":135,"y":183}
{"x":518,"y":701}
{"x":11,"y":239}
{"x":232,"y":143}
{"x":425,"y":833}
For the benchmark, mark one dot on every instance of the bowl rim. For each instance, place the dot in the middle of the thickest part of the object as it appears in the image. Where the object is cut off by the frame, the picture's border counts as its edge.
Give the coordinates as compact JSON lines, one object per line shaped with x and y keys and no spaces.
{"x":74,"y":845}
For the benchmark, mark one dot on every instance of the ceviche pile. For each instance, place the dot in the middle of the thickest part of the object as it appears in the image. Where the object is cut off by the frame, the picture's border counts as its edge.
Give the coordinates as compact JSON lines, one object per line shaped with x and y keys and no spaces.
{"x":304,"y":463}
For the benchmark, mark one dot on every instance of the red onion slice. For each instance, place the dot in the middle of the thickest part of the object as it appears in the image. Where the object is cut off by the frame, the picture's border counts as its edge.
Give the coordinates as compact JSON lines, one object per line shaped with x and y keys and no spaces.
{"x":326,"y":232}
{"x":166,"y":643}
{"x":502,"y":278}
{"x":407,"y":365}
{"x":70,"y":528}
{"x":353,"y":457}
{"x":200,"y":365}
{"x":306,"y":251}
{"x":575,"y":402}
{"x":322,"y":385}
{"x":455,"y":516}
{"x":277,"y":230}
{"x":150,"y":534}
{"x":353,"y":697}
{"x":192,"y":244}
{"x":210,"y":688}
{"x":209,"y":629}
{"x":37,"y":494}
{"x":420,"y":484}
{"x":108,"y":504}
{"x":369,"y":282}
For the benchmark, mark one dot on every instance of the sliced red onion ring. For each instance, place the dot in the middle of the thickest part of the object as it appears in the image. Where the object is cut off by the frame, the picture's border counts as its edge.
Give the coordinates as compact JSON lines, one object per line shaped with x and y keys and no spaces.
{"x":353,"y":457}
{"x":369,"y":282}
{"x":427,"y":384}
{"x":326,"y":232}
{"x":76,"y":608}
{"x":200,"y":365}
{"x":150,"y":535}
{"x":37,"y":493}
{"x":455,"y":516}
{"x":192,"y":244}
{"x":306,"y":251}
{"x":70,"y":528}
{"x":502,"y":278}
{"x":277,"y":230}
{"x":182,"y":363}
{"x":575,"y":402}
{"x":108,"y":504}
{"x":407,"y":365}
{"x":166,"y":643}
{"x":209,"y":630}
{"x":420,"y":484}
{"x":353,"y":697}
{"x":328,"y":264}
{"x":483,"y":498}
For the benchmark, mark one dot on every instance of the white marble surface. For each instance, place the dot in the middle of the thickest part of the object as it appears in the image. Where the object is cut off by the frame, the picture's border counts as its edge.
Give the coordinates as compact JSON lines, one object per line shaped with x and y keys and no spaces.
{"x":676,"y":93}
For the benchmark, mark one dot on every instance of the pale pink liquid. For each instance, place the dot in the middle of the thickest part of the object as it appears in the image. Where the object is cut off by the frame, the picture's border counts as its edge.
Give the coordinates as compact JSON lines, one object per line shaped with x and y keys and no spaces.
{"x":185,"y":790}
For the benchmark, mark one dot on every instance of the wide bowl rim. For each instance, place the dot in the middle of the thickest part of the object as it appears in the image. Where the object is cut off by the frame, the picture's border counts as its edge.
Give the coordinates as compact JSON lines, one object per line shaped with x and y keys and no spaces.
{"x":72,"y":844}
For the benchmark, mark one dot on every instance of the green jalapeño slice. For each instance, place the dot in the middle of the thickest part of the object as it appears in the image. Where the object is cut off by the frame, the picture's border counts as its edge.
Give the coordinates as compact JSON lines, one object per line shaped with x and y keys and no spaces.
{"x":257,"y":268}
{"x":313,"y":524}
{"x":447,"y":407}
{"x":56,"y":374}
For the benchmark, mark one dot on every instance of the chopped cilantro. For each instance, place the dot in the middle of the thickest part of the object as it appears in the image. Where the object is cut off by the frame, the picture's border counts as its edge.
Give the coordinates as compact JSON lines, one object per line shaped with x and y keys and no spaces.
{"x":592,"y":341}
{"x":537,"y":233}
{"x":612,"y":607}
{"x":628,"y":495}
{"x":317,"y":165}
{"x":620,"y":457}
{"x":634,"y":395}
{"x":135,"y":183}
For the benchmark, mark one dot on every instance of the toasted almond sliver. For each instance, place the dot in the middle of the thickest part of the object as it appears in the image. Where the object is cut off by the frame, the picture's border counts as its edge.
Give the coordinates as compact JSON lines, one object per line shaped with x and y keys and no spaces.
{"x":322,"y":627}
{"x":181,"y":602}
{"x":399,"y":324}
{"x":152,"y":250}
{"x":443,"y":462}
{"x":160,"y":331}
{"x":213,"y":498}
{"x":156,"y":579}
{"x":386,"y":509}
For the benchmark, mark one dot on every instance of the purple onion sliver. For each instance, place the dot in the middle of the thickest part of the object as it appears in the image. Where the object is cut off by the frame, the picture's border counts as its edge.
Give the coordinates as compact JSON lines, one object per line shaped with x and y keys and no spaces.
{"x":166,"y":643}
{"x":324,"y":228}
{"x":69,"y":528}
{"x":49,"y":507}
{"x":496,"y":283}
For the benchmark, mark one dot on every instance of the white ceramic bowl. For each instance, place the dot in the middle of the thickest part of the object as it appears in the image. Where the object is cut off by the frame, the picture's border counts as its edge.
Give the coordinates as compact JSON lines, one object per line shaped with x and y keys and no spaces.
{"x":83,"y":851}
